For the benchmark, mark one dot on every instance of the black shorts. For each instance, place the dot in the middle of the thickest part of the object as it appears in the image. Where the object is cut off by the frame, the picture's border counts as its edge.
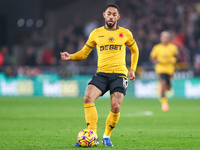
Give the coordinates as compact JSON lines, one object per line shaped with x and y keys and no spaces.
{"x":115,"y":82}
{"x":166,"y":77}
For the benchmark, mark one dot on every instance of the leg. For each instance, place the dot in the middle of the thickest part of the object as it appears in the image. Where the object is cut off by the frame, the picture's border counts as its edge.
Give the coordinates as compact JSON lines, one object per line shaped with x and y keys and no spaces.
{"x":164,"y":88}
{"x":168,"y":83}
{"x":91,"y":94}
{"x":163,"y":84}
{"x":116,"y":101}
{"x":96,"y":87}
{"x":113,"y":117}
{"x":91,"y":117}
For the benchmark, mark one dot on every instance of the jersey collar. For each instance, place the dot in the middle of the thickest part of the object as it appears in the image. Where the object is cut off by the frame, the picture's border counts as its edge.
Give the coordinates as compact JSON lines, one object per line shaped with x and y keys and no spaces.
{"x":111,"y":29}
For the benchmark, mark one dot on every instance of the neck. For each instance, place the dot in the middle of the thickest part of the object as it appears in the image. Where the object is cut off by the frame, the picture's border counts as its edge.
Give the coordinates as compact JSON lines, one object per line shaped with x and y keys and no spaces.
{"x":114,"y":27}
{"x":165,"y":43}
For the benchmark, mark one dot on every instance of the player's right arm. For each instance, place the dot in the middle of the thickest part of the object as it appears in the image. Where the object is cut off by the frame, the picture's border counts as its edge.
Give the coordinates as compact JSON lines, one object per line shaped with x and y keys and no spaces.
{"x":153,"y":55}
{"x":159,"y":60}
{"x":83,"y":53}
{"x":80,"y":55}
{"x":65,"y":56}
{"x":173,"y":59}
{"x":154,"y":60}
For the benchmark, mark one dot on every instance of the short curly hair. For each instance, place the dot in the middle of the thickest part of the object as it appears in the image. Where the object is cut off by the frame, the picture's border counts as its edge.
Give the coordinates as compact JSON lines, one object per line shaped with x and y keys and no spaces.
{"x":112,"y":5}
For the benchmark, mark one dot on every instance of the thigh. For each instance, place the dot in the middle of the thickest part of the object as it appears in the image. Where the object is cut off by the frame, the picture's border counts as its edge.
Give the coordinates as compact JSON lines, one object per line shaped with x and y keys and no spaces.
{"x":165,"y":78}
{"x":120,"y":84}
{"x":101,"y":82}
{"x":91,"y":94}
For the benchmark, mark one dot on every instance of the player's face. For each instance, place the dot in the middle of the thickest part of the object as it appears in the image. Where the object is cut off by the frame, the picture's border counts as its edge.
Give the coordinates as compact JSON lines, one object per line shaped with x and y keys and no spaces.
{"x":111,"y":16}
{"x":164,"y":39}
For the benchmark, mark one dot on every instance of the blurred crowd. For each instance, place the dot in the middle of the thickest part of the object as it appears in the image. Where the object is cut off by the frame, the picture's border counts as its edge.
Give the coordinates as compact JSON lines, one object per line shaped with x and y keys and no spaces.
{"x":145,"y":18}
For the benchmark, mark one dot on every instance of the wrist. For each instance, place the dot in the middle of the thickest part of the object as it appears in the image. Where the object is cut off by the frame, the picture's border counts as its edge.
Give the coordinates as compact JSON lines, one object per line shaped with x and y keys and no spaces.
{"x":70,"y":56}
{"x":132,"y":70}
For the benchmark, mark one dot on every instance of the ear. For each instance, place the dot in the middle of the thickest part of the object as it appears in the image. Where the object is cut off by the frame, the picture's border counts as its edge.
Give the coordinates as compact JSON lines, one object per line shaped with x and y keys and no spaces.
{"x":104,"y":14}
{"x":118,"y":17}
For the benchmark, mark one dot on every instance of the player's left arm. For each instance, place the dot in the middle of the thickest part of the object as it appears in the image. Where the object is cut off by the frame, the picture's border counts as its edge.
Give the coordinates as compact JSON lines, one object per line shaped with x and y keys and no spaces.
{"x":173,"y":59}
{"x":153,"y":55}
{"x":134,"y":55}
{"x":134,"y":60}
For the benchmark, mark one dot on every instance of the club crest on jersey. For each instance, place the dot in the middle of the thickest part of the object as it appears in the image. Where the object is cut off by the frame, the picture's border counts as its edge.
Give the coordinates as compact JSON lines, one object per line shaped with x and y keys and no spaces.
{"x":111,"y":39}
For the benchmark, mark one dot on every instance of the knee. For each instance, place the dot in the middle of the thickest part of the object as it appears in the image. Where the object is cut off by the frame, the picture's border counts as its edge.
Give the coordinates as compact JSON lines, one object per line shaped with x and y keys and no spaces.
{"x":88,"y":98}
{"x":116,"y":101}
{"x":115,"y":108}
{"x":163,"y":83}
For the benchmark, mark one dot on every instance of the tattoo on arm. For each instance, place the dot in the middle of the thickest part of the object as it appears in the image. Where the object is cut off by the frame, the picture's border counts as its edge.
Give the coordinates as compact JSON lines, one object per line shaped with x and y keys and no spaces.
{"x":118,"y":95}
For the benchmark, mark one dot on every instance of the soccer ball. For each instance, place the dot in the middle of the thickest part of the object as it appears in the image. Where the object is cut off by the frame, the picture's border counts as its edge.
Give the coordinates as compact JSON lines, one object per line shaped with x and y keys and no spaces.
{"x":87,"y":138}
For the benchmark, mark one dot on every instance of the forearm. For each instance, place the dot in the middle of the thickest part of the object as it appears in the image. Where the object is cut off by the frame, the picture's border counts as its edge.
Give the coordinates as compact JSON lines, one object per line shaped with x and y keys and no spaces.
{"x":153,"y":60}
{"x":165,"y":61}
{"x":134,"y":56}
{"x":173,"y":60}
{"x":82,"y":54}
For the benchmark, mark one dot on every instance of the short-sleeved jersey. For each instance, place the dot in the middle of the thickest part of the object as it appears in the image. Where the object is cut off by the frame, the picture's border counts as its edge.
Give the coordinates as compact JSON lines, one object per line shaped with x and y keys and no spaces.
{"x":165,"y":55}
{"x":111,"y":49}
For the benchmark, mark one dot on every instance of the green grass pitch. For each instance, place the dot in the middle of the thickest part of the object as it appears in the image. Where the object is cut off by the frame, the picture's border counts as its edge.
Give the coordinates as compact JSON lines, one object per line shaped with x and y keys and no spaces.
{"x":53,"y":123}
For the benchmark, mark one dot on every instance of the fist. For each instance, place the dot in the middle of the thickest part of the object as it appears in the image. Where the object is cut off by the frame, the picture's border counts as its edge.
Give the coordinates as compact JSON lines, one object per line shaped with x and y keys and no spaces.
{"x":132,"y":75}
{"x":65,"y":56}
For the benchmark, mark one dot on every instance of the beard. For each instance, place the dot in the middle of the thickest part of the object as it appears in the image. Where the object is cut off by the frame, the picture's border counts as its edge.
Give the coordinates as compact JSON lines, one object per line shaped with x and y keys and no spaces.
{"x":109,"y":24}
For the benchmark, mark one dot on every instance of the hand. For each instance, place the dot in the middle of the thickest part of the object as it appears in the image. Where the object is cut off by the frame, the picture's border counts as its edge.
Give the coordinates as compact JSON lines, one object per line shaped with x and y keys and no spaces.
{"x":154,"y":60}
{"x":65,"y":56}
{"x":172,"y":60}
{"x":132,"y":75}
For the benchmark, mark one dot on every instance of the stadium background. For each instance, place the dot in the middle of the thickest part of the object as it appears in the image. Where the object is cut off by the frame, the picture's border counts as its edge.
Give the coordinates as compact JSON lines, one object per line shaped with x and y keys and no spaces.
{"x":41,"y":97}
{"x":34,"y":32}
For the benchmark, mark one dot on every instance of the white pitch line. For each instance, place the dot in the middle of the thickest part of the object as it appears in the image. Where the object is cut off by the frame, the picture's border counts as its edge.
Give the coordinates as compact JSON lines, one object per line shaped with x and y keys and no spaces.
{"x":135,"y":114}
